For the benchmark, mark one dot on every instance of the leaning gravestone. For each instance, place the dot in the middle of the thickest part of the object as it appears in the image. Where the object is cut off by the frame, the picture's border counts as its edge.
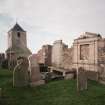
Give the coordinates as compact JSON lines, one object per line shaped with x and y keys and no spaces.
{"x":20,"y":73}
{"x":81,"y":79}
{"x":35,"y":75}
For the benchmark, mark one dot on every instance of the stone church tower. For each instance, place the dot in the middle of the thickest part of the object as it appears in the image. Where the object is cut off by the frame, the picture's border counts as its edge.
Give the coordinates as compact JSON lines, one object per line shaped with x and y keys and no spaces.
{"x":17,"y":43}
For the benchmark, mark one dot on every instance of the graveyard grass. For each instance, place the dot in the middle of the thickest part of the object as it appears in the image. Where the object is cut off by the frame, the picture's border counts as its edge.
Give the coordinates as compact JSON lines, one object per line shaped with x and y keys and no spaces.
{"x":54,"y":93}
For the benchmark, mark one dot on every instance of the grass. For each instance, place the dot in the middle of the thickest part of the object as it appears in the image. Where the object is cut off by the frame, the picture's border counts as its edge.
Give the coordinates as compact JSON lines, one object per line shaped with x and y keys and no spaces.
{"x":54,"y":93}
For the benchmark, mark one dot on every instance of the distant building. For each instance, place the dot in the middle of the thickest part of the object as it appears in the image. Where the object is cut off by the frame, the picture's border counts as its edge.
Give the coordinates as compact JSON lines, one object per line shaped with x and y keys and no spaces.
{"x":17,"y":43}
{"x":67,"y":62}
{"x":89,"y":53}
{"x":57,"y":53}
{"x":86,"y":51}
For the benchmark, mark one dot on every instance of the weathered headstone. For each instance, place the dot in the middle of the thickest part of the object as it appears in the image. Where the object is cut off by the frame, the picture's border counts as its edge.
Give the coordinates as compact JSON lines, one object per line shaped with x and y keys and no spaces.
{"x":20,"y":73}
{"x":35,"y":75}
{"x":0,"y":92}
{"x":81,"y":79}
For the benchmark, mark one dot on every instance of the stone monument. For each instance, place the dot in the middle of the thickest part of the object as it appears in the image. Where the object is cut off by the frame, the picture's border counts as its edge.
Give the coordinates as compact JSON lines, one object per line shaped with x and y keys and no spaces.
{"x":81,"y":79}
{"x":20,"y":73}
{"x":35,"y":75}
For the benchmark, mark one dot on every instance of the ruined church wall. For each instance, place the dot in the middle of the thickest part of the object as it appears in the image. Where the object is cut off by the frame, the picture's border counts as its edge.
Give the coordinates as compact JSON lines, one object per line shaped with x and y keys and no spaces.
{"x":86,"y":54}
{"x":57,"y":53}
{"x":101,"y":59}
{"x":67,"y":58}
{"x":44,"y":55}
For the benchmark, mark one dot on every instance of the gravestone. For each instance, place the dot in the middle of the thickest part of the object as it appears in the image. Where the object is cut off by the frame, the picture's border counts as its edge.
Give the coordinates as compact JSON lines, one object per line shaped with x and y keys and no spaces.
{"x":20,"y":73}
{"x":81,"y":79}
{"x":34,"y":69}
{"x":0,"y":92}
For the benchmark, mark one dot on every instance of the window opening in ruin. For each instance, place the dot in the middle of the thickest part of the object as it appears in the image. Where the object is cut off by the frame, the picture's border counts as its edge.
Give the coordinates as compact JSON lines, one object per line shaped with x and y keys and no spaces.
{"x":84,"y":52}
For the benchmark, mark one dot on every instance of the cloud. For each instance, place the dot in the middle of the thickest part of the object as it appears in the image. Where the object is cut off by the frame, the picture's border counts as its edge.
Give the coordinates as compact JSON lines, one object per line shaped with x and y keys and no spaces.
{"x":5,"y":21}
{"x":49,"y":20}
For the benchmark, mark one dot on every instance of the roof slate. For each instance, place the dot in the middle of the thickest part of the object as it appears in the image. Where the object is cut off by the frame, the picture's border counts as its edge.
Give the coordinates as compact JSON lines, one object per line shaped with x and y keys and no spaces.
{"x":17,"y":27}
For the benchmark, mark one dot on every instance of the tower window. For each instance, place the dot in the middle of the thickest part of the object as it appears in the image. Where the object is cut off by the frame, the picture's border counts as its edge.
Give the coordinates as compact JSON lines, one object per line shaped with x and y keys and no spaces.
{"x":18,"y":34}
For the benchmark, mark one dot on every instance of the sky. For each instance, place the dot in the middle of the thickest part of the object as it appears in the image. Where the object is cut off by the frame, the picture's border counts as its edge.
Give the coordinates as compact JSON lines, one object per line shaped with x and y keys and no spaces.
{"x":48,"y":20}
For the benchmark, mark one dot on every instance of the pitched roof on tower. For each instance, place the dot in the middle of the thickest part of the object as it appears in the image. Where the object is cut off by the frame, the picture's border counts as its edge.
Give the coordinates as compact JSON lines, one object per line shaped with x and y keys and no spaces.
{"x":17,"y":27}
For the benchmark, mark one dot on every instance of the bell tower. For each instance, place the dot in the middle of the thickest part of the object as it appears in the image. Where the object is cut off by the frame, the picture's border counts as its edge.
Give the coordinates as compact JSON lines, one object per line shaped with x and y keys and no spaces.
{"x":17,"y":37}
{"x":17,"y":43}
